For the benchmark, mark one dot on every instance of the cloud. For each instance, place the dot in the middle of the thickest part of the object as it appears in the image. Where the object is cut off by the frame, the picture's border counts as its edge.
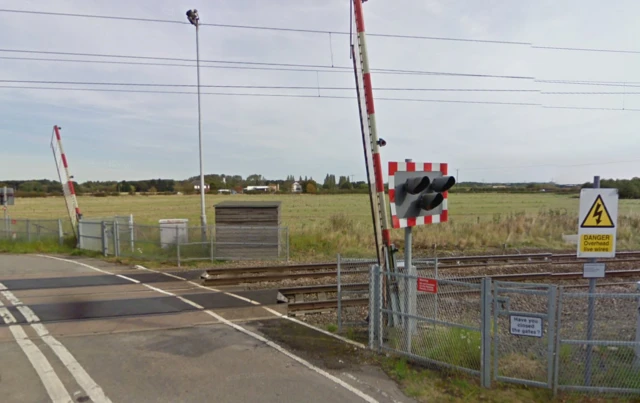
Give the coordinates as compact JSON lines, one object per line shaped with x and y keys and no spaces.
{"x":114,"y":135}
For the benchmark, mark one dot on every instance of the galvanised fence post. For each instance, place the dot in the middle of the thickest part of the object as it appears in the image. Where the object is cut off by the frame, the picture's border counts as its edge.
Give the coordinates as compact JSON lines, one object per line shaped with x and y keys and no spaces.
{"x":637,"y":360}
{"x":116,"y":238}
{"x":103,"y":231}
{"x":60,"y":232}
{"x":339,"y":295}
{"x":485,"y":333}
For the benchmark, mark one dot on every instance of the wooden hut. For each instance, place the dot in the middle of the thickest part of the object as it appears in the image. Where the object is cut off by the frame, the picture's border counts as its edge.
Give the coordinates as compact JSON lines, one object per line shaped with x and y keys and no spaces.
{"x":247,"y":230}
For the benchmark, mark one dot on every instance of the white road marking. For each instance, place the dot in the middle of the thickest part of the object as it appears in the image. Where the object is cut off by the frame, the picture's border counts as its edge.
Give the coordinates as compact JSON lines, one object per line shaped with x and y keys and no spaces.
{"x":256,"y":336}
{"x":294,"y":357}
{"x":127,"y":278}
{"x":48,"y":376}
{"x":81,"y":376}
{"x":28,"y":314}
{"x":157,"y":289}
{"x":266,"y":308}
{"x":75,"y":262}
{"x":6,"y":316}
{"x":9,"y":296}
{"x":183,"y":299}
{"x":166,"y":274}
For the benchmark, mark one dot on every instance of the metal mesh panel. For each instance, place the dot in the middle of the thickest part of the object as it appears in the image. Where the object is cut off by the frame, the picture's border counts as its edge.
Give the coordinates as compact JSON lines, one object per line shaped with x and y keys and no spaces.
{"x":442,"y":327}
{"x":27,"y":230}
{"x":610,"y":362}
{"x":352,"y":287}
{"x":523,"y":333}
{"x":90,"y":234}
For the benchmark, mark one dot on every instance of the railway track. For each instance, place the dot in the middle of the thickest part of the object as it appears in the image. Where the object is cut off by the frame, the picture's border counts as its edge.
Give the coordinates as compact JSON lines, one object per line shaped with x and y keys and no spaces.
{"x":301,"y":305}
{"x":276,"y":273}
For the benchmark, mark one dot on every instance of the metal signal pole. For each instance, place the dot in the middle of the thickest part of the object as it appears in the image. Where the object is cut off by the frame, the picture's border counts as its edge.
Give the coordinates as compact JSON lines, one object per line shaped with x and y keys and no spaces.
{"x":194,"y":19}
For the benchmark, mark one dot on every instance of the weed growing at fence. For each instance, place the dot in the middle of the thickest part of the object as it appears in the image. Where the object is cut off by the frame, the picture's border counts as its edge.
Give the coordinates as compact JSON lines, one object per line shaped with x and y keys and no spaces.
{"x":611,"y":366}
{"x":452,"y":345}
{"x":42,"y":246}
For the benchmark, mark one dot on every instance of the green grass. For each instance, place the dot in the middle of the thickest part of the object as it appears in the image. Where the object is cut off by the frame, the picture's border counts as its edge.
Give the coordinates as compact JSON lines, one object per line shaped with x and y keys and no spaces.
{"x":426,"y":385}
{"x":323,"y":225}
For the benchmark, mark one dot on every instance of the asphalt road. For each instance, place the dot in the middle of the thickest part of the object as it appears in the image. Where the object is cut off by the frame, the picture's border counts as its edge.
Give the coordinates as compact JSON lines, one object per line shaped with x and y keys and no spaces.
{"x":84,"y":330}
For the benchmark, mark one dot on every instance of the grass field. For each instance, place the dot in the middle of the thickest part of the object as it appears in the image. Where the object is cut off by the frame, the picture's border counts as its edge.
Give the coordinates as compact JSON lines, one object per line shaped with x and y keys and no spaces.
{"x":323,"y":225}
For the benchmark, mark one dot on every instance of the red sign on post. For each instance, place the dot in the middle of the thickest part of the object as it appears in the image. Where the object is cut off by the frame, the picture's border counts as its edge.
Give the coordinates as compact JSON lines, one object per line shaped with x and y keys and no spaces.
{"x":428,"y":285}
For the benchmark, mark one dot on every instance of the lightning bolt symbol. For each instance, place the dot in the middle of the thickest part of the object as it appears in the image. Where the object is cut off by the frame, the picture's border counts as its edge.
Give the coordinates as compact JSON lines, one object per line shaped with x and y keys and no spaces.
{"x":598,"y":213}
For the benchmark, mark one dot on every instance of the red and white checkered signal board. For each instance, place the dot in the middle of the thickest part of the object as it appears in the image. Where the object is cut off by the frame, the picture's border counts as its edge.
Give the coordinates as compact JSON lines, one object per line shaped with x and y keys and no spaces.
{"x":416,"y":167}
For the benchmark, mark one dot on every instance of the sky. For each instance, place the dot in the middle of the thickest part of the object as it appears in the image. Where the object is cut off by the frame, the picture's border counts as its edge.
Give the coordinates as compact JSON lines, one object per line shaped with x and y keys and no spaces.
{"x":133,"y":136}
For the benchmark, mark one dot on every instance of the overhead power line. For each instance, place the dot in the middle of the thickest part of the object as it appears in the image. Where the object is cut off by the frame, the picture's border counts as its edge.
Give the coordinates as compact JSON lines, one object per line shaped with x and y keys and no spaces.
{"x":265,"y":28}
{"x":262,"y":86}
{"x":310,"y":67}
{"x":263,"y":95}
{"x":319,"y":96}
{"x":325,"y":32}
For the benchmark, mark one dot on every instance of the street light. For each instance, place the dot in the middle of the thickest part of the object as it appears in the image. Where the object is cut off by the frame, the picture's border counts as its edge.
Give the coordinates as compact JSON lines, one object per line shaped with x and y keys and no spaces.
{"x":194,"y":19}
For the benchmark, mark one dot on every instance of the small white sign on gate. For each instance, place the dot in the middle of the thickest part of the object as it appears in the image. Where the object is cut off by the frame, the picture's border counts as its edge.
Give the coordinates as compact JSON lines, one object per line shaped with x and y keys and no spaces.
{"x":525,"y":326}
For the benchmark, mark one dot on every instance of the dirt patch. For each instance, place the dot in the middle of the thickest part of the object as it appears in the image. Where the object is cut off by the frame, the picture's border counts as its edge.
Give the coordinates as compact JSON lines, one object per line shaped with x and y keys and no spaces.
{"x":320,"y":349}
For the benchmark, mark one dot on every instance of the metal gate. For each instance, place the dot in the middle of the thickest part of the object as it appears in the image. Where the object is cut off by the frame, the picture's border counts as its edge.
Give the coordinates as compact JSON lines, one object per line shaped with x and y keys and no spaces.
{"x":524,"y":333}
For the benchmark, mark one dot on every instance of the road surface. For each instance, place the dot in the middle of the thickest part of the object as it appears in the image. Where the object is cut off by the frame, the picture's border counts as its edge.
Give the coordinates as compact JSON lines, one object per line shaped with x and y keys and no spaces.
{"x":82,"y":330}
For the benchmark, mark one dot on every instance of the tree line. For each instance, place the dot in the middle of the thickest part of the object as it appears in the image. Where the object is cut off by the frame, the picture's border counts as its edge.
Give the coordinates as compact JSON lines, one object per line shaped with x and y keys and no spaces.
{"x":45,"y":187}
{"x":627,"y":188}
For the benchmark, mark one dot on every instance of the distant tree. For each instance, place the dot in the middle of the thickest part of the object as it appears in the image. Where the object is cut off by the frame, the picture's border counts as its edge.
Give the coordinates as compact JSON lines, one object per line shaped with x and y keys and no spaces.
{"x":311,"y":187}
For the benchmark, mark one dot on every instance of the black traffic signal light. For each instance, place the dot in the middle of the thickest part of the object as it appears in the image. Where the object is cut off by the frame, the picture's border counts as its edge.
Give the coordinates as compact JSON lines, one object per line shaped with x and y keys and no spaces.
{"x":417,"y":193}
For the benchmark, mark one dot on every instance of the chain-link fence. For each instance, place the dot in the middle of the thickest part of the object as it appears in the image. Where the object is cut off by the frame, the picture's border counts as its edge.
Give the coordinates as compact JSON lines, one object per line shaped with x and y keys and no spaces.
{"x":178,"y":242}
{"x":601,"y":354}
{"x":434,"y":321}
{"x":532,"y":334}
{"x":30,"y":230}
{"x":352,"y":288}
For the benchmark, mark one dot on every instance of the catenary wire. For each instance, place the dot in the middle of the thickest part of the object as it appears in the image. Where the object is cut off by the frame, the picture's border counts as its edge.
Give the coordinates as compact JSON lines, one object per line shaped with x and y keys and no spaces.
{"x":325,"y":32}
{"x":262,"y":95}
{"x":265,"y":28}
{"x":308,"y":66}
{"x":262,"y":86}
{"x":317,"y":97}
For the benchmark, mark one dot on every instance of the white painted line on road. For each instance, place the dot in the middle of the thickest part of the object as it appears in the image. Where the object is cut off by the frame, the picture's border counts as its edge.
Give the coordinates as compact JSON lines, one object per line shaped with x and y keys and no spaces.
{"x":166,"y":274}
{"x":264,"y":340}
{"x":271,"y":311}
{"x":28,"y":314}
{"x":85,"y":381}
{"x":81,"y":376}
{"x":158,"y":289}
{"x":12,"y":298}
{"x":127,"y":278}
{"x":78,"y":263}
{"x":48,"y":376}
{"x":6,"y":315}
{"x":186,"y":301}
{"x":294,"y":357}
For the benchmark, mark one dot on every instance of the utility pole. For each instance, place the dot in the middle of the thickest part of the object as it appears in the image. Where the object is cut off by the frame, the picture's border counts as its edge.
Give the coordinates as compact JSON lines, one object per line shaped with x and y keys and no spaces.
{"x":194,"y":19}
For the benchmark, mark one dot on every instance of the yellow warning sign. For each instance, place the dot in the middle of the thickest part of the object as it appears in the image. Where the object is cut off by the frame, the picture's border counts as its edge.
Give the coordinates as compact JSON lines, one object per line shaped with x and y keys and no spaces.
{"x":598,"y":216}
{"x":596,"y":243}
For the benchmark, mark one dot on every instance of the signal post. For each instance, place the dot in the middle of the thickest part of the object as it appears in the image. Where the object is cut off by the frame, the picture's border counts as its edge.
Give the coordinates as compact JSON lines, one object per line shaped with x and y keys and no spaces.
{"x":418,"y":194}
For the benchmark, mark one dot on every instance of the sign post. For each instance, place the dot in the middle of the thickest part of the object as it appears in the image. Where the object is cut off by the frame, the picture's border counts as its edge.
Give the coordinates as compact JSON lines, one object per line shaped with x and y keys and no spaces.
{"x":596,"y":239}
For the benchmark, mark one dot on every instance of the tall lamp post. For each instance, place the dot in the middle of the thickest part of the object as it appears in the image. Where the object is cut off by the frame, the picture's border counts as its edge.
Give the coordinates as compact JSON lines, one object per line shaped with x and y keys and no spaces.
{"x":194,"y":19}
